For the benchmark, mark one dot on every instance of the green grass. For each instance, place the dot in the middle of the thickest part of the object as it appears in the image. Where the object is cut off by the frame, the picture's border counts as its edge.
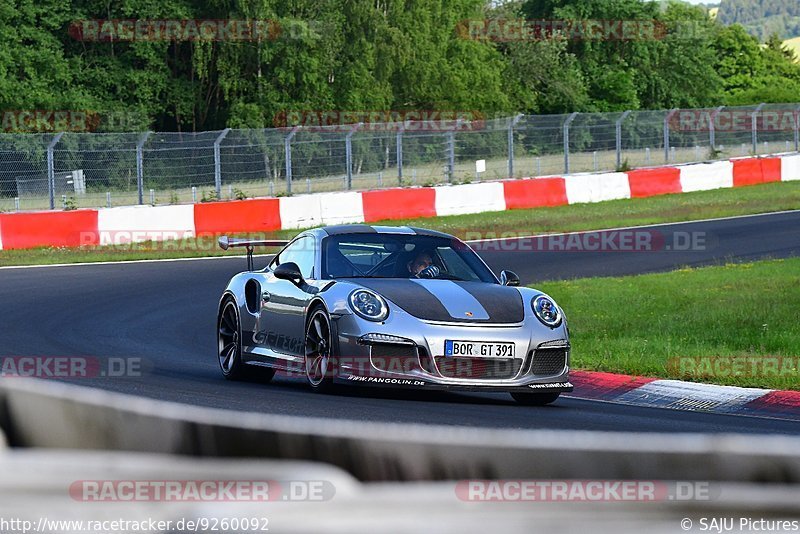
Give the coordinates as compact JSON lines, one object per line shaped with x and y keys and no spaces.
{"x":645,"y":324}
{"x":615,"y":213}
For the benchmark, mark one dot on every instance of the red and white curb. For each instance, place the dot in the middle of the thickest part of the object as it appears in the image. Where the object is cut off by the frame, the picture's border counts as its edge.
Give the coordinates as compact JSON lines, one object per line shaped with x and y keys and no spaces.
{"x":147,"y":223}
{"x":680,"y":395}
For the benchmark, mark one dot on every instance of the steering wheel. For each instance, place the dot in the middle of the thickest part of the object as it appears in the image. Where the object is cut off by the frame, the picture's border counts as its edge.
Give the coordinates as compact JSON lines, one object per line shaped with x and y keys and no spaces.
{"x":431,"y":271}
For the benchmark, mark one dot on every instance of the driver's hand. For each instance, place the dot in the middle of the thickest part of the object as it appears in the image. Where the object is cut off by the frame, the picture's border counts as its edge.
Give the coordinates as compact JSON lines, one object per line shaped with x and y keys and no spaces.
{"x":431,"y":271}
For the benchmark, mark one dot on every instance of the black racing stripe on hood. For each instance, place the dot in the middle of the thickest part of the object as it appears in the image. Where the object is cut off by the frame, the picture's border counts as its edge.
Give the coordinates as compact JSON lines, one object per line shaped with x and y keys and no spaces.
{"x":503,"y":304}
{"x":412,"y":297}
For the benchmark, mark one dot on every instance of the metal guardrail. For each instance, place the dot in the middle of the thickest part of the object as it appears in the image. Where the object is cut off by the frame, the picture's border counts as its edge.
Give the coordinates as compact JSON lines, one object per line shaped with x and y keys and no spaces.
{"x":171,"y":168}
{"x":35,"y":413}
{"x":35,"y":483}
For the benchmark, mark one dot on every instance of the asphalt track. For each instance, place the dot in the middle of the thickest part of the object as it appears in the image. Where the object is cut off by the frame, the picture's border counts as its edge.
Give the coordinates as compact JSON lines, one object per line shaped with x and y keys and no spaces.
{"x":164,"y":313}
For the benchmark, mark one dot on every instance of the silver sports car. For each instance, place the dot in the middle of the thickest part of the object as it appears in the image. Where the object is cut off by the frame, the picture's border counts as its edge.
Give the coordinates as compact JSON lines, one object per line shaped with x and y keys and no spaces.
{"x":391,"y":306}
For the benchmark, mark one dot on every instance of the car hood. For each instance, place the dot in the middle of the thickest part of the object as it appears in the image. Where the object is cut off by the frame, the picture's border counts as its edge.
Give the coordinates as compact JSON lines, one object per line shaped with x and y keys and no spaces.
{"x":451,"y":301}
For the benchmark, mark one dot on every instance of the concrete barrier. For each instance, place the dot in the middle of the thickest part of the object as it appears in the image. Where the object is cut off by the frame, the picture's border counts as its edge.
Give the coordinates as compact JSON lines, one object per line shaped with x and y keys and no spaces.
{"x":470,"y":198}
{"x":583,"y":188}
{"x":56,"y":415}
{"x":34,"y":488}
{"x":790,"y":168}
{"x":144,"y":223}
{"x":705,"y":176}
{"x":300,"y":212}
{"x":341,"y":208}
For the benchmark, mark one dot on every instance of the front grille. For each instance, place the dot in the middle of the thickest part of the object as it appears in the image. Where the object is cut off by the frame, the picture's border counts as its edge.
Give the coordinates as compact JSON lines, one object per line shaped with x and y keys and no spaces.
{"x":549,"y":361}
{"x":478,"y":368}
{"x":394,"y":358}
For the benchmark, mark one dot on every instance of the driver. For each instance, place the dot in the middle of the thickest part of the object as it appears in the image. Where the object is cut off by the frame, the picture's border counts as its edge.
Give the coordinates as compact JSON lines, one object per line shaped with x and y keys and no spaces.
{"x":423,"y":260}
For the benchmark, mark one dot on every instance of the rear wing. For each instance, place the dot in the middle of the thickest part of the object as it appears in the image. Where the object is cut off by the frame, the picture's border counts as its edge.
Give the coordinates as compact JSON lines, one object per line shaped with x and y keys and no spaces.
{"x":226,"y":242}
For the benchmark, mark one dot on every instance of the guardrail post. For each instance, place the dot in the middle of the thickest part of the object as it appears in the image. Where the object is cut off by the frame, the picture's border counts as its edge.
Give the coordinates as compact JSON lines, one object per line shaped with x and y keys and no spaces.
{"x":140,"y":165}
{"x":218,"y":163}
{"x":513,"y":123}
{"x":712,"y":133}
{"x":754,"y":125}
{"x":348,"y":145}
{"x":51,"y":173}
{"x":618,"y":130}
{"x":667,"y":120}
{"x":566,"y":140}
{"x":287,"y":151}
{"x":400,"y":153}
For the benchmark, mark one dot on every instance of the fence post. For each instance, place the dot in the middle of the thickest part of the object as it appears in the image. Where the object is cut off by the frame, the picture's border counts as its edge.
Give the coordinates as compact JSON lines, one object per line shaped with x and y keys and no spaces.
{"x":287,"y":151}
{"x":451,"y":152}
{"x":712,"y":134}
{"x":667,"y":120}
{"x":618,"y":130}
{"x":513,"y":123}
{"x":140,"y":165}
{"x":797,"y":130}
{"x":754,"y":125}
{"x":566,"y":140}
{"x":218,"y":163}
{"x":348,"y":146}
{"x":51,"y":173}
{"x":400,"y":153}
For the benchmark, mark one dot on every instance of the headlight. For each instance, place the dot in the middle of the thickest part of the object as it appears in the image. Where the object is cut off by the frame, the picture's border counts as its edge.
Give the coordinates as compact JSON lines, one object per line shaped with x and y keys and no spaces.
{"x":369,"y":305}
{"x":546,"y":311}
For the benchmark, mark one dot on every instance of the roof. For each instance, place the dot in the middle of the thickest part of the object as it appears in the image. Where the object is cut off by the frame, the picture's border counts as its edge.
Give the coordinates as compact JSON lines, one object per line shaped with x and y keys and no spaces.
{"x":367,"y":229}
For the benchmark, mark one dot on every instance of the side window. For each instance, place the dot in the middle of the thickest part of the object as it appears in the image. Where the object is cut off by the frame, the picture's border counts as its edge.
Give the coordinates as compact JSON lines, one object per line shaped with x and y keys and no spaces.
{"x":300,"y":252}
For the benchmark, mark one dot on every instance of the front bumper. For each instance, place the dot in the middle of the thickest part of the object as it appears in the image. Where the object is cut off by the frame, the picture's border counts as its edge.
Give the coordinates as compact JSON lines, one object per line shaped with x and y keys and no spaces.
{"x":409,"y":353}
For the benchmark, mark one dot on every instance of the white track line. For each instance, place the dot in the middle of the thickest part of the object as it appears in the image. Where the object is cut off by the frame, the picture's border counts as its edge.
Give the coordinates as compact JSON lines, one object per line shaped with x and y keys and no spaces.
{"x":123,"y":262}
{"x":676,"y":223}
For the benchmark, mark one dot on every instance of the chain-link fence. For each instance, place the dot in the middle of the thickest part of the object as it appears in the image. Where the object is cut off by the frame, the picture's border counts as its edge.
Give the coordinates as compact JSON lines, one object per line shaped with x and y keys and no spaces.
{"x":70,"y":170}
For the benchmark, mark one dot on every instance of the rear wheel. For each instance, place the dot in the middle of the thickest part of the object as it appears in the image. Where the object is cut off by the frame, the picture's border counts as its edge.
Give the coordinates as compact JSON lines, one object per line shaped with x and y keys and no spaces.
{"x":535,"y":399}
{"x":319,"y":362}
{"x":229,"y":347}
{"x":229,"y":341}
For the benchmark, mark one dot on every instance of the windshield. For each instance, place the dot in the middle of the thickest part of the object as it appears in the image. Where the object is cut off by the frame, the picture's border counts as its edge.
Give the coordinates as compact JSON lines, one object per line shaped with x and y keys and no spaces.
{"x":401,"y":256}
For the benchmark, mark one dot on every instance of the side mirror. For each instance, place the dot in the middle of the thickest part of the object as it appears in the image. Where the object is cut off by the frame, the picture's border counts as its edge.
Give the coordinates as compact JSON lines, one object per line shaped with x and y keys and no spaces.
{"x":289,"y":271}
{"x":509,"y":278}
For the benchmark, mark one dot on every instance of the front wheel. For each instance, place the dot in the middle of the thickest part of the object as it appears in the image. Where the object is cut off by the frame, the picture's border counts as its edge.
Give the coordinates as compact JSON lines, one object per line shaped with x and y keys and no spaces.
{"x":535,"y":399}
{"x":319,"y":351}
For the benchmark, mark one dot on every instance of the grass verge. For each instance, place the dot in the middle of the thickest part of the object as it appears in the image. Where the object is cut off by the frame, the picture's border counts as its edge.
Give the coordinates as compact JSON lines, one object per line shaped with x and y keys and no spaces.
{"x":734,"y":324}
{"x":616,"y":213}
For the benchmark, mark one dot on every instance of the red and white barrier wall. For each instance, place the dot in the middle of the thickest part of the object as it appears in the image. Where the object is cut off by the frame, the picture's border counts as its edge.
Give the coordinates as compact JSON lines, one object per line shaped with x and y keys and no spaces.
{"x":147,"y":223}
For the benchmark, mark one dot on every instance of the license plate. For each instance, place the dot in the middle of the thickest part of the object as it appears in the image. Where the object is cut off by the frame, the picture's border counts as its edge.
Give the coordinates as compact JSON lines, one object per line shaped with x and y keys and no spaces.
{"x":478,"y":349}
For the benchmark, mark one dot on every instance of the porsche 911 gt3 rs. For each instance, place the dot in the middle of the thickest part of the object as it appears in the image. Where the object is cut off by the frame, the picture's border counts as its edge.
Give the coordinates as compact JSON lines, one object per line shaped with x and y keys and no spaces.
{"x":391,"y":306}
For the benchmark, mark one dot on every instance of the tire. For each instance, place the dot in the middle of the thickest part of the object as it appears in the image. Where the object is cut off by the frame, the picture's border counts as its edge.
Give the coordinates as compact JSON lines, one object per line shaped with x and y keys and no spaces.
{"x":535,"y":399}
{"x":229,"y":347}
{"x":319,"y":359}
